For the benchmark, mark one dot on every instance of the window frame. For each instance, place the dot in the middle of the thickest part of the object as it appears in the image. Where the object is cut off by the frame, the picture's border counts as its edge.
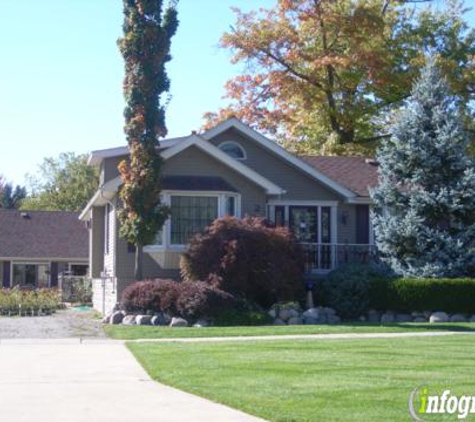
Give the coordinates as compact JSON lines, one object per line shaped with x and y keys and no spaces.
{"x":166,"y":200}
{"x":235,"y":144}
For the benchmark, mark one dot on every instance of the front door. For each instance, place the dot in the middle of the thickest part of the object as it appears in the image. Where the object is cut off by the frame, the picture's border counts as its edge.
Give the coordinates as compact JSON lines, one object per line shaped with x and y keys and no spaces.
{"x":304,"y":223}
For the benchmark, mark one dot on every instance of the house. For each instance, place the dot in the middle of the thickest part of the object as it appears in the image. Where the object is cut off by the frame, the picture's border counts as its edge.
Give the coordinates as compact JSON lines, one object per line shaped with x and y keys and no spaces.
{"x":233,"y":170}
{"x":37,"y":246}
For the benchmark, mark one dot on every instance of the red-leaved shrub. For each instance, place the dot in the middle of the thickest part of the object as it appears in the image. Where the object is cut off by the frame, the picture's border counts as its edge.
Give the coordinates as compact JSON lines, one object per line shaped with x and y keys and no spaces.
{"x":153,"y":296}
{"x":188,"y":299}
{"x":248,"y":259}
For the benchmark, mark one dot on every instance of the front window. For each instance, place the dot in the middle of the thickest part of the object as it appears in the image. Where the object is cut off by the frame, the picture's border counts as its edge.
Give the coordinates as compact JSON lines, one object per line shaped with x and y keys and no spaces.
{"x":191,"y":215}
{"x":31,"y":275}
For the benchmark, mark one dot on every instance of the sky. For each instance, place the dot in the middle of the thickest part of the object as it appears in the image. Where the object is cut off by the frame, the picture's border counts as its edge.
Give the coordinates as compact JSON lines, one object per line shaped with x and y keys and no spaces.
{"x":61,"y":75}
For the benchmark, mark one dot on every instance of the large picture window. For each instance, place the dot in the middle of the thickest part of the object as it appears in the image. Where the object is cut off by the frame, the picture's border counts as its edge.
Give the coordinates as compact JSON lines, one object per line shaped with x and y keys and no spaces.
{"x":191,"y":215}
{"x":31,"y":275}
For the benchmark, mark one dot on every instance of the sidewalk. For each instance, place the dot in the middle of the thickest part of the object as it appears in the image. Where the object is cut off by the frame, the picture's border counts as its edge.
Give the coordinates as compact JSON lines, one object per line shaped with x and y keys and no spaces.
{"x":98,"y":380}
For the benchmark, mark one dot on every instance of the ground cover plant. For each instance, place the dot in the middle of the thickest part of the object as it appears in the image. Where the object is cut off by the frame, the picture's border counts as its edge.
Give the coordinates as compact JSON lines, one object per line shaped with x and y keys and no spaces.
{"x":29,"y":302}
{"x":351,"y":380}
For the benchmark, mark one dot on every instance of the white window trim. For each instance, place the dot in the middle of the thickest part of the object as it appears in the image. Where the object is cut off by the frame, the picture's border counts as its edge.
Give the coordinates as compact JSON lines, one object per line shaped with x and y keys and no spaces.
{"x":296,"y":203}
{"x":236,"y":144}
{"x":166,"y":200}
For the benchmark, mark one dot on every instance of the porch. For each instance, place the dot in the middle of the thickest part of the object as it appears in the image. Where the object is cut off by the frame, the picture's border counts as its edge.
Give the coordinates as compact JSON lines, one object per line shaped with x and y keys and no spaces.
{"x":324,"y":257}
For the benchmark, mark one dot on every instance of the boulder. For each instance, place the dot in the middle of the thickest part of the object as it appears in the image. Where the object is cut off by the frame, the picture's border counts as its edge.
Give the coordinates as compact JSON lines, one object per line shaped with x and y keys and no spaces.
{"x":285,"y":314}
{"x":419,"y":319}
{"x":201,"y":323}
{"x":334,"y":319}
{"x":329,"y":311}
{"x":310,"y":321}
{"x":295,"y":321}
{"x":278,"y":321}
{"x":311,"y":313}
{"x":362,"y":318}
{"x":272,"y":313}
{"x":129,"y":320}
{"x":294,"y":313}
{"x":116,"y":317}
{"x":438,"y":317}
{"x":387,"y":318}
{"x":158,"y":319}
{"x":143,"y":320}
{"x":458,"y":318}
{"x":403,"y":318}
{"x":178,"y":322}
{"x":472,"y":319}
{"x":105,"y":320}
{"x":374,"y":316}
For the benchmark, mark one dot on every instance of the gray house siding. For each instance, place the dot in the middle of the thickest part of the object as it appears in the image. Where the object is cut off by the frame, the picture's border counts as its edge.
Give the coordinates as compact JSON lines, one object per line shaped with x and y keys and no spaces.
{"x":109,"y":170}
{"x":298,"y":185}
{"x":96,"y":242}
{"x":194,"y":162}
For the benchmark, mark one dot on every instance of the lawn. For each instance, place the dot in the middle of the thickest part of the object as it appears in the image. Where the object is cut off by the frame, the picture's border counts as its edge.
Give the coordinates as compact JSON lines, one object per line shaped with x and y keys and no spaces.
{"x":363,"y":380}
{"x":143,"y":332}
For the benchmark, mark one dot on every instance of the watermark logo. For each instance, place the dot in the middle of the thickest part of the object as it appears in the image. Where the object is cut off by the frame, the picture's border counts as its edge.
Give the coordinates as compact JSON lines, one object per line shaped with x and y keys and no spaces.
{"x":423,"y":404}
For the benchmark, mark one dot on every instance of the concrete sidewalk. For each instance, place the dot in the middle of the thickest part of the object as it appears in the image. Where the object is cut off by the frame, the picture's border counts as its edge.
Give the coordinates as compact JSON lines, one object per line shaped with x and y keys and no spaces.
{"x":53,"y":381}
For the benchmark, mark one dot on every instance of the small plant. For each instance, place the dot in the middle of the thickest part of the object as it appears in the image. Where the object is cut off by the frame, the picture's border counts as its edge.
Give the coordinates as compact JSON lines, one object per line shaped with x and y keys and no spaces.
{"x":29,"y":302}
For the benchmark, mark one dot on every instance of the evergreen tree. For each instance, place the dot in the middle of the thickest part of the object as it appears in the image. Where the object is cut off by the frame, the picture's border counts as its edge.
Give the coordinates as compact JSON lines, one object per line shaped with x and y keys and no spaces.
{"x":426,"y":195}
{"x":146,"y":49}
{"x":11,"y":197}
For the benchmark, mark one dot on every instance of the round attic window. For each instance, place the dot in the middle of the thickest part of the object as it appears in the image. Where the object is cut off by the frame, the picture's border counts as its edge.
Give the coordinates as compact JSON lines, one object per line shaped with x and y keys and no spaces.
{"x":233,"y":149}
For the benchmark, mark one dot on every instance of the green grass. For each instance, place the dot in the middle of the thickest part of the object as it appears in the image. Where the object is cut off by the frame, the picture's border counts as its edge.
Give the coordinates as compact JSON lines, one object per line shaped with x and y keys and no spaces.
{"x":124,"y":332}
{"x":350,"y":380}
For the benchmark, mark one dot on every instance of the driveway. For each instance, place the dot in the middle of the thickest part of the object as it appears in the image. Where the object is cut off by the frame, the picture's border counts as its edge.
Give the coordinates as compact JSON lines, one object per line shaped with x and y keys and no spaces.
{"x":93,"y":380}
{"x":63,"y":324}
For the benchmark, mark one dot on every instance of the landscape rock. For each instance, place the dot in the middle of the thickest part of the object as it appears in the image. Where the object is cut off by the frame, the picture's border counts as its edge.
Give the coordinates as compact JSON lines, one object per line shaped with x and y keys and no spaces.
{"x":329,"y":311}
{"x":278,"y":321}
{"x":420,"y":319}
{"x":311,"y":313}
{"x":158,"y":319}
{"x":403,"y":318}
{"x":310,"y":321}
{"x":201,"y":323}
{"x":295,"y":321}
{"x":106,"y":319}
{"x":178,"y":322}
{"x":334,"y":319}
{"x":374,"y":316}
{"x":143,"y":320}
{"x":294,"y":313}
{"x":272,"y":313}
{"x":458,"y":318}
{"x":116,"y":317}
{"x":472,"y":319}
{"x":285,"y":314}
{"x":438,"y":317}
{"x":129,"y":320}
{"x":387,"y":318}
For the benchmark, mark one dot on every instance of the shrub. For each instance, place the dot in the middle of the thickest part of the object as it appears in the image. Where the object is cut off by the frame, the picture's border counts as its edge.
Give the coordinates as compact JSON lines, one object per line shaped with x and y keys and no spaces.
{"x":243,"y":314}
{"x":153,"y":296}
{"x":348,"y":289}
{"x":197,"y":299}
{"x":188,"y":299}
{"x":248,"y":259}
{"x":29,"y":302}
{"x":450,"y":295}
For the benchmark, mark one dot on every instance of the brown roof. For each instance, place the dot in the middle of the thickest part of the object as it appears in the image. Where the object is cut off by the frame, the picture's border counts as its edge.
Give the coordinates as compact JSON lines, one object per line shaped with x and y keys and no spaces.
{"x":354,"y":173}
{"x":42,"y":234}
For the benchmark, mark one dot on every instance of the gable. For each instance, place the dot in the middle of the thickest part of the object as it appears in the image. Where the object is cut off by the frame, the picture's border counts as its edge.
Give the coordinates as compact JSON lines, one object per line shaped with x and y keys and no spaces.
{"x":297,"y":184}
{"x":194,"y":162}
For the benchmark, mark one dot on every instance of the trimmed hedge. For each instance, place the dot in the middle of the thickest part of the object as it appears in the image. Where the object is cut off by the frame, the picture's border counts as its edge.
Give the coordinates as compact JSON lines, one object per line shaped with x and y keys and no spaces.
{"x":451,"y":295}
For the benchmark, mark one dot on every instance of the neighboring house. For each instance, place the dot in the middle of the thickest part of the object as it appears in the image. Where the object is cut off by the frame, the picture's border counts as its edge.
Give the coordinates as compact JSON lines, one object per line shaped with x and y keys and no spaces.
{"x":233,"y":170}
{"x":37,"y":246}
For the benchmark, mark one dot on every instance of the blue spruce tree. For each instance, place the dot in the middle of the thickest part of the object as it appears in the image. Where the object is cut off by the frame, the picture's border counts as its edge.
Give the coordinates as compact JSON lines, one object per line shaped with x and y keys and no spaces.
{"x":425,"y":202}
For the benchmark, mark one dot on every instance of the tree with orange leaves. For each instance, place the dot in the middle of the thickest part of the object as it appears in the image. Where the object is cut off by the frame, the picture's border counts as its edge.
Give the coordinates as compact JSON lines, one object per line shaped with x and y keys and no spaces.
{"x":320,"y":75}
{"x":148,"y":31}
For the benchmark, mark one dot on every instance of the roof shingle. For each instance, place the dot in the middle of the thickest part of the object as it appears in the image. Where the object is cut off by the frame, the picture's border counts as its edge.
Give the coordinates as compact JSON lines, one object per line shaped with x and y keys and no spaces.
{"x":355,"y":173}
{"x":42,"y":235}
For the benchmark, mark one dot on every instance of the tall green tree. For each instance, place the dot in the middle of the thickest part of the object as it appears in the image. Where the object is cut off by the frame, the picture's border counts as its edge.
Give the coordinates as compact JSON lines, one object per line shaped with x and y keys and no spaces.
{"x":11,"y":196}
{"x":148,"y":30}
{"x":427,"y":186}
{"x":63,"y":183}
{"x":321,"y":75}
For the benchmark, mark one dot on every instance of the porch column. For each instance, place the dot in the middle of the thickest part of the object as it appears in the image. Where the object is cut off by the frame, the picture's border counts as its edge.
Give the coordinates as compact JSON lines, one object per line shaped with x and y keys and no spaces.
{"x":54,"y":274}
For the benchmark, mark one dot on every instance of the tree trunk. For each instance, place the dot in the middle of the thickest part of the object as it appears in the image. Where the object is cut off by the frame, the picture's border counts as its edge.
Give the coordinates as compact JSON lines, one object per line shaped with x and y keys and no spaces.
{"x":138,"y":273}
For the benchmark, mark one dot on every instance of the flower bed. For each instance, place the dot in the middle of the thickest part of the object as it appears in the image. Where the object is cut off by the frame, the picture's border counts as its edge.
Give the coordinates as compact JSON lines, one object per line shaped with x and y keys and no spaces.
{"x":29,"y":302}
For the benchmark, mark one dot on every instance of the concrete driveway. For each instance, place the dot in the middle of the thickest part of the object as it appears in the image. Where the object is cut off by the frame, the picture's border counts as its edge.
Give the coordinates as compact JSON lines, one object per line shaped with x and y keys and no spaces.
{"x":95,"y":380}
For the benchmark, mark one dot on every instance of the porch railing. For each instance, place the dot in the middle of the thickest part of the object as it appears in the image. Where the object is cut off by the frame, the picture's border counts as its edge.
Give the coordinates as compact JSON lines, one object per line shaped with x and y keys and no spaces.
{"x":328,"y":256}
